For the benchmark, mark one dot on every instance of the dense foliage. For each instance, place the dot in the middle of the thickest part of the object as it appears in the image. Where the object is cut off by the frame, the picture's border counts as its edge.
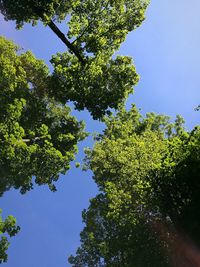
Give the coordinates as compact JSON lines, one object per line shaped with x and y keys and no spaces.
{"x":97,"y":86}
{"x":95,"y":27}
{"x":8,"y":227}
{"x":147,"y":170}
{"x":38,"y":137}
{"x":87,"y":74}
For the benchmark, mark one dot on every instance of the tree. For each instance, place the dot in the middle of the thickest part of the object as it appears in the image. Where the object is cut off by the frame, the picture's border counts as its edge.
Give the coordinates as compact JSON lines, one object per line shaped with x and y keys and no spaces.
{"x":112,"y":241}
{"x":38,"y":136}
{"x":87,"y":74}
{"x":98,"y":26}
{"x":177,"y":186}
{"x":9,"y":227}
{"x":147,"y":170}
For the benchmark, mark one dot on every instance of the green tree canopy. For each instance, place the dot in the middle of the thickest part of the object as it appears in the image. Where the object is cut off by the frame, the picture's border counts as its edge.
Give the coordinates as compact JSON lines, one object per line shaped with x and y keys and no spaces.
{"x":87,"y":74}
{"x":98,"y":86}
{"x":38,"y":136}
{"x":116,"y":241}
{"x":147,"y":170}
{"x":9,"y":228}
{"x":95,"y":27}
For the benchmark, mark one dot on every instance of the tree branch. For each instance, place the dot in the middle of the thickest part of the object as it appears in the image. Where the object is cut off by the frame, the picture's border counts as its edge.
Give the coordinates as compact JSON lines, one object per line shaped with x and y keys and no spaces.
{"x":62,"y":37}
{"x":39,"y":12}
{"x":31,"y":140}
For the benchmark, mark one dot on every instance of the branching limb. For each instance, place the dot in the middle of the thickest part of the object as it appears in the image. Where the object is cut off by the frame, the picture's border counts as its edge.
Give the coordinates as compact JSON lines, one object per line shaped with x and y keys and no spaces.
{"x":63,"y":38}
{"x":60,"y":35}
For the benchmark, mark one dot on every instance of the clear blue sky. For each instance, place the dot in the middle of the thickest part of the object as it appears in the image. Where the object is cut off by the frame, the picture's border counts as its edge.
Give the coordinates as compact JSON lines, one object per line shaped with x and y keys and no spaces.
{"x":167,"y":55}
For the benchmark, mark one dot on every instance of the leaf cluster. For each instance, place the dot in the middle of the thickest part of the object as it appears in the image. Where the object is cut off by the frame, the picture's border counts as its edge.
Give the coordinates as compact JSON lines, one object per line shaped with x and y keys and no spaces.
{"x":147,"y":170}
{"x":87,"y":74}
{"x":9,"y":228}
{"x":38,"y":136}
